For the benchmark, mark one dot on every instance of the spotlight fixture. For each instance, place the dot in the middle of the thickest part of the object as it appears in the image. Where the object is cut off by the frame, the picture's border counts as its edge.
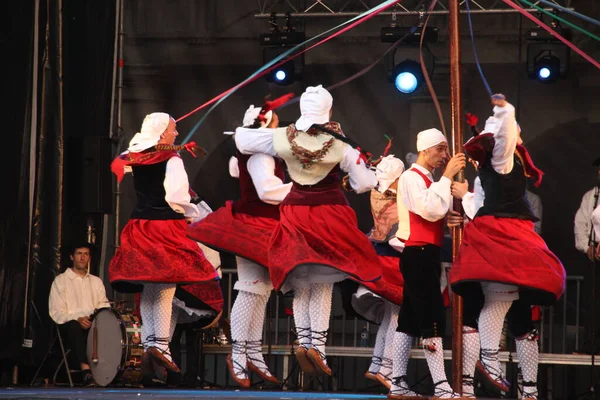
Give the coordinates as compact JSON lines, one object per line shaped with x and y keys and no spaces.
{"x":407,"y":76}
{"x":547,"y":58}
{"x":278,"y":41}
{"x":547,"y":68}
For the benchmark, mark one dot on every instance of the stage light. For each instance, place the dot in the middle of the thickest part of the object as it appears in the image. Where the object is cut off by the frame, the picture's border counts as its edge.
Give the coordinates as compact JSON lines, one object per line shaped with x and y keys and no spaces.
{"x":547,"y":59}
{"x":280,"y":75}
{"x":283,"y":75}
{"x":407,"y":76}
{"x":543,"y":73}
{"x":547,"y":68}
{"x":278,"y":41}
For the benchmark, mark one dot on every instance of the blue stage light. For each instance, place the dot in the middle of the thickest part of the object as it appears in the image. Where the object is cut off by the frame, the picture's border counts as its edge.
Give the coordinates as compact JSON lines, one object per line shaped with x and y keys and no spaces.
{"x":407,"y":76}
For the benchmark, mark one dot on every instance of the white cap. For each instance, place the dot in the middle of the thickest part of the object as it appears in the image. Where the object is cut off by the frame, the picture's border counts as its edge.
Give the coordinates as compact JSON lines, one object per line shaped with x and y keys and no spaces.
{"x":429,"y":138}
{"x":387,"y":171}
{"x":315,"y":104}
{"x":153,"y":127}
{"x":251,"y":115}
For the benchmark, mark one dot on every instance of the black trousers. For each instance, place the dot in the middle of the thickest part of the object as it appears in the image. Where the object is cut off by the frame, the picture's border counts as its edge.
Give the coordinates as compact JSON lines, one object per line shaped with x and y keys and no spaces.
{"x":518,"y":316}
{"x":422,"y":312}
{"x":75,"y":338}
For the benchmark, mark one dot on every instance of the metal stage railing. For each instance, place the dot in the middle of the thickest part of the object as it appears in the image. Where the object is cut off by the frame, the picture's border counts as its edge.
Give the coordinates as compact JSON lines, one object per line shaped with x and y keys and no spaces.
{"x":559,"y":337}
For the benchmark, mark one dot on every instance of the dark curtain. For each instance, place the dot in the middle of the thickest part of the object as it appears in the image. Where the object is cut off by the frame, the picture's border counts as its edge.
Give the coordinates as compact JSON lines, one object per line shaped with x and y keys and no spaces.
{"x":87,"y":54}
{"x":17,"y":40}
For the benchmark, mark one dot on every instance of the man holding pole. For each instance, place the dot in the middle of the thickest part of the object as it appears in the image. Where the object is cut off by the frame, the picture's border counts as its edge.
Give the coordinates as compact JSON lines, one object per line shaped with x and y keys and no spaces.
{"x":426,"y":202}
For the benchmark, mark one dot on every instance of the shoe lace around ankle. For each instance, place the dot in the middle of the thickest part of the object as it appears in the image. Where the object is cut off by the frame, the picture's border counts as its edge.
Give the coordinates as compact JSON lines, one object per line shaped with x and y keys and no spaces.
{"x":468,"y":380}
{"x":319,"y":338}
{"x":489,"y":356}
{"x":377,"y":362}
{"x":387,"y":364}
{"x":400,"y":385}
{"x":303,"y":333}
{"x":162,"y":342}
{"x":529,"y":394}
{"x":239,"y":347}
{"x":254,"y":353}
{"x":439,"y":390}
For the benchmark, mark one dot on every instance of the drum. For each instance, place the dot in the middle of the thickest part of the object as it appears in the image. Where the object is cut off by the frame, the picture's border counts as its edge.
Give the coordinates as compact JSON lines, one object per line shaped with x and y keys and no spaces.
{"x":114,"y":348}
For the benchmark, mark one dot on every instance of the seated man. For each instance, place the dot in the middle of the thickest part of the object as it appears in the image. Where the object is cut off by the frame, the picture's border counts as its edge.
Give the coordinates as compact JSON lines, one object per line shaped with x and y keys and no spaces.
{"x":74,"y":296}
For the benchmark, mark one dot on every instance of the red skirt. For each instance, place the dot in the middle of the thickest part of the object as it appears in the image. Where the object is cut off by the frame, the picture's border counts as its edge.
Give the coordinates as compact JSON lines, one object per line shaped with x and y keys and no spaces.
{"x":325,"y":235}
{"x":157,"y":251}
{"x":240,"y":234}
{"x":507,"y":250}
{"x":391,"y":284}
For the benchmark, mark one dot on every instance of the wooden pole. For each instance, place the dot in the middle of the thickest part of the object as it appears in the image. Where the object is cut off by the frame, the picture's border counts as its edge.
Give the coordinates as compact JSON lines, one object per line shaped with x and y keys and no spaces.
{"x":457,"y":141}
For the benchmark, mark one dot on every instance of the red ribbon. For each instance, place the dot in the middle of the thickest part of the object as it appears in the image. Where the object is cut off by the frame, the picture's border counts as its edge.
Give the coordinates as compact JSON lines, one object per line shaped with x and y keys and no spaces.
{"x":472,"y":119}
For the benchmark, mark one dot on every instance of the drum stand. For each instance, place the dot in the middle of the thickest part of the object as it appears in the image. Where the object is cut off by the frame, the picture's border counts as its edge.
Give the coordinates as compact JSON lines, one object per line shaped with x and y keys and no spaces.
{"x":64,"y":356}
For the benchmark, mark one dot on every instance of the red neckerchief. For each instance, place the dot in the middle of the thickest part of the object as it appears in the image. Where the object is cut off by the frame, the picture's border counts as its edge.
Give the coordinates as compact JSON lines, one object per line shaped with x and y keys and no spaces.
{"x":134,"y":159}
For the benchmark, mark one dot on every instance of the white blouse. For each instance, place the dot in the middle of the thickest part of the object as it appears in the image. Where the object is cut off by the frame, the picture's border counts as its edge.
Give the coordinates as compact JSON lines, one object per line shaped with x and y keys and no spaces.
{"x":177,"y":189}
{"x":253,"y":141}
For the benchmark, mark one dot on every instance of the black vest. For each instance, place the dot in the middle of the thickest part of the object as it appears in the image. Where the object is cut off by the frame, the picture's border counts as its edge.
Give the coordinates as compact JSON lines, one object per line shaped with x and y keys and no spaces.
{"x":148,"y":181}
{"x":505,"y":194}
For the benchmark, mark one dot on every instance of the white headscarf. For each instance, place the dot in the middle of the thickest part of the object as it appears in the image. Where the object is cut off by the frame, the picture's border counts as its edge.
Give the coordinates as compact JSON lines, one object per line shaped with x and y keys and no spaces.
{"x":153,"y":127}
{"x":429,"y":138}
{"x":251,"y":115}
{"x":315,"y":104}
{"x":387,"y":171}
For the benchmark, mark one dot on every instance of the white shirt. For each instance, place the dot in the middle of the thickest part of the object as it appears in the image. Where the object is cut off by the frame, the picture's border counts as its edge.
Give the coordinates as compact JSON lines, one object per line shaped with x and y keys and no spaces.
{"x":596,"y":222}
{"x":253,"y":141}
{"x":177,"y":189}
{"x":472,"y":202}
{"x":73,"y":296}
{"x":583,"y":220}
{"x":269,"y":187}
{"x":505,"y":139}
{"x":430,"y":203}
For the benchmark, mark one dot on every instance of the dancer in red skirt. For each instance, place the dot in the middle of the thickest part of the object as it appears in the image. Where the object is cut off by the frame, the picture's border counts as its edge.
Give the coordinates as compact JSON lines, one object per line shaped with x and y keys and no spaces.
{"x":500,"y":248}
{"x":422,"y":206}
{"x":244,"y":228}
{"x":155,"y":255}
{"x":317,"y":241}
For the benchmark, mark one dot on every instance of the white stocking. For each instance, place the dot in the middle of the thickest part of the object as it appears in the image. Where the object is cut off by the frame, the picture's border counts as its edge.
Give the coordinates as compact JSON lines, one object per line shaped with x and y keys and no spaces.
{"x":302,"y":317}
{"x":491,"y":321}
{"x":158,"y":297}
{"x":471,"y":347}
{"x":401,"y":344}
{"x":529,"y":353}
{"x":391,"y":314}
{"x":256,"y":333}
{"x":320,"y":311}
{"x":435,"y":361}
{"x":380,"y":341}
{"x":174,"y":317}
{"x":241,"y":317}
{"x":147,"y":316}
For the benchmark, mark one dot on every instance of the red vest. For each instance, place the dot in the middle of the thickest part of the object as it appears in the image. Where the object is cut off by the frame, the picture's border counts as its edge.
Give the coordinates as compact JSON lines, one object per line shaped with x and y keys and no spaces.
{"x":249,"y":202}
{"x":423,"y":232}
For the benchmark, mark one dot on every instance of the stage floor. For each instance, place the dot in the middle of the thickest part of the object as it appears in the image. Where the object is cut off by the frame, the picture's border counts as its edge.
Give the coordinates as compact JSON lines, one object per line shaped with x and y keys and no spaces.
{"x":168,"y":394}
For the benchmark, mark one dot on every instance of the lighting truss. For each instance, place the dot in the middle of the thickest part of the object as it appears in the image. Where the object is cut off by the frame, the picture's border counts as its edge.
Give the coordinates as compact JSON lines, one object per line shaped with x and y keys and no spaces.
{"x":352,"y":8}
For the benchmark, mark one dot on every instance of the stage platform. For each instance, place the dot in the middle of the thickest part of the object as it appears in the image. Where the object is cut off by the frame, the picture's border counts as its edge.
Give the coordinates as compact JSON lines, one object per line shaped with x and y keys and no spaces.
{"x":168,"y":394}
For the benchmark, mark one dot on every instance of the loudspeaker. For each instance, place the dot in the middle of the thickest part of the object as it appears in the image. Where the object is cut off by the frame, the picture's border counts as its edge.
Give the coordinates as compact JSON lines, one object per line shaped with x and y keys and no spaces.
{"x":89,"y":177}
